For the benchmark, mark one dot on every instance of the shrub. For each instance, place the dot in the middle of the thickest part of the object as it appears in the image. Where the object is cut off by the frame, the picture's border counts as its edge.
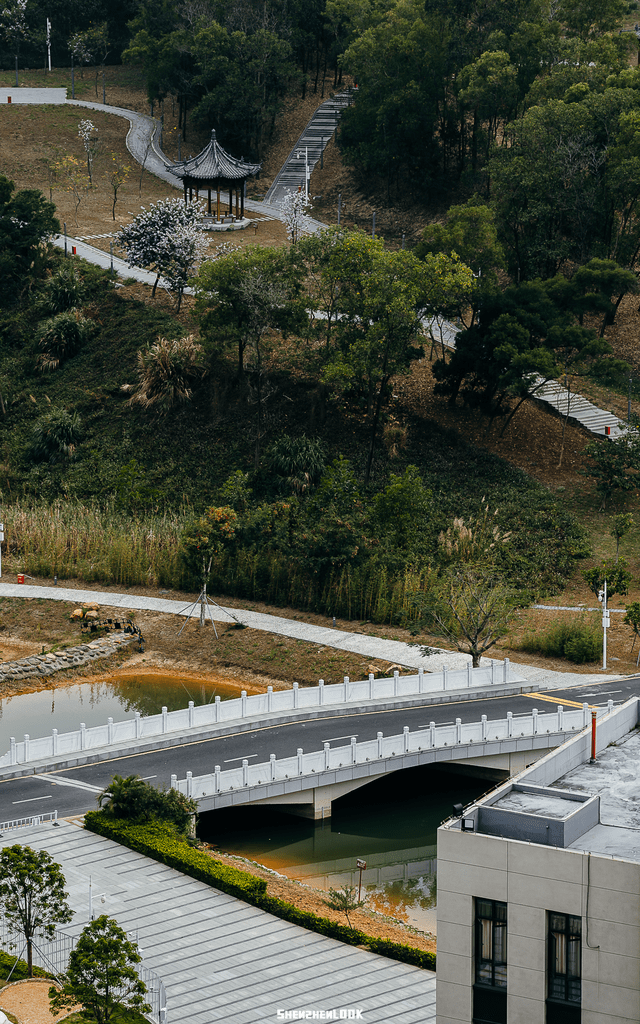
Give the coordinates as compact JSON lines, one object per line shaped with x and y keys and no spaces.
{"x":60,"y":337}
{"x":55,"y":436}
{"x":577,"y":641}
{"x":161,"y":842}
{"x":166,"y":371}
{"x":63,"y":292}
{"x":298,"y":461}
{"x":136,"y":800}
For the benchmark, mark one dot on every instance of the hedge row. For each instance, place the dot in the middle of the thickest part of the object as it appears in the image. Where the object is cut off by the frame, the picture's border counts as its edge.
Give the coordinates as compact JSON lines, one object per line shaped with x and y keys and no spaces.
{"x":161,"y":842}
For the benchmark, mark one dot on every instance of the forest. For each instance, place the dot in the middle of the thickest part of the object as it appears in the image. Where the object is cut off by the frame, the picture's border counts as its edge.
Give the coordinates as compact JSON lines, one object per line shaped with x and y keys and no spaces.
{"x":260,"y":436}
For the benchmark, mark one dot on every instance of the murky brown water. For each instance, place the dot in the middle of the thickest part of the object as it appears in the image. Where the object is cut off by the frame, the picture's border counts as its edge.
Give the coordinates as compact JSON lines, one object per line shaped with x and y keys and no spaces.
{"x":391,"y":824}
{"x":92,"y":702}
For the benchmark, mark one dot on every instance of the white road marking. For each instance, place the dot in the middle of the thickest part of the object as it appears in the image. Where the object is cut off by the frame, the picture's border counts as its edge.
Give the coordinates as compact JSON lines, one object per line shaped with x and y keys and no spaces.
{"x":147,"y":777}
{"x":333,"y":739}
{"x":32,"y":799}
{"x":245,"y":757}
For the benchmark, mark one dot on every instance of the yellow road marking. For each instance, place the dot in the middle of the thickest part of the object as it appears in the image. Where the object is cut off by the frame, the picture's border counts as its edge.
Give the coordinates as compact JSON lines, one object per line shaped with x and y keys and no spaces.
{"x":558,"y":700}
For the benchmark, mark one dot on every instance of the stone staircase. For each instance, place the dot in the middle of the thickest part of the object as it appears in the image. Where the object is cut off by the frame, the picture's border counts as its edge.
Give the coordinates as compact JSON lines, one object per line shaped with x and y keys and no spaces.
{"x":313,"y":140}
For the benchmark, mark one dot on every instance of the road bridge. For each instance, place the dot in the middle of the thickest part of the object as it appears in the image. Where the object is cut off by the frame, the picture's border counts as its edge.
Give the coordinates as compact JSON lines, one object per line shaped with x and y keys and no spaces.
{"x":307,"y":784}
{"x":73,"y":790}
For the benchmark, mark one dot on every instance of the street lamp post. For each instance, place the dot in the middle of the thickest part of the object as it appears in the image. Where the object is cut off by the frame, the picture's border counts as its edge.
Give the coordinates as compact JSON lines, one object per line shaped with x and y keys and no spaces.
{"x":102,"y":896}
{"x":606,"y":622}
{"x":306,"y":168}
{"x":362,"y":866}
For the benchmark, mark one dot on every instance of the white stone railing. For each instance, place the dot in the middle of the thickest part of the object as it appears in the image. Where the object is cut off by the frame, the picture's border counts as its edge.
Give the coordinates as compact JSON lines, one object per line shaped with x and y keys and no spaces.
{"x":369,"y":751}
{"x":114,"y":734}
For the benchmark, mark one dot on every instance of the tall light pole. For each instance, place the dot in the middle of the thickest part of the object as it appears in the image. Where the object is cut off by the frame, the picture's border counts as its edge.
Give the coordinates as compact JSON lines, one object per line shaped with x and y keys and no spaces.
{"x":362,"y":866}
{"x":606,"y":622}
{"x":306,"y":168}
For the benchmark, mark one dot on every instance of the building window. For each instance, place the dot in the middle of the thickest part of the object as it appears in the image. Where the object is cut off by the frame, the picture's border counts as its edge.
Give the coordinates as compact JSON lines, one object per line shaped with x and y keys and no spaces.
{"x":490,"y":988}
{"x":565,"y":969}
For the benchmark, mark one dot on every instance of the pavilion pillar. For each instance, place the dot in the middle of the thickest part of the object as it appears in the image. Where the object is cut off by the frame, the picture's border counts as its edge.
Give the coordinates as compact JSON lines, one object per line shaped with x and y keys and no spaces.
{"x":242,"y":200}
{"x":237,"y":203}
{"x":186,"y":198}
{"x":209,"y":201}
{"x":230,"y":201}
{"x":218,"y":201}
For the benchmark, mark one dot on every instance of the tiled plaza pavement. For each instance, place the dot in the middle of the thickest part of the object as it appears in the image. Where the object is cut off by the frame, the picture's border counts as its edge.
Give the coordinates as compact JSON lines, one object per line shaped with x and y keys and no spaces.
{"x":220,"y":959}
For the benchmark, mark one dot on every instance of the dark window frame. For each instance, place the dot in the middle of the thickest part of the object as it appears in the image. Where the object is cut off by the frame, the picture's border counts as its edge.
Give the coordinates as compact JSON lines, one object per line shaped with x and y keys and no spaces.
{"x":564,"y":959}
{"x":490,"y":935}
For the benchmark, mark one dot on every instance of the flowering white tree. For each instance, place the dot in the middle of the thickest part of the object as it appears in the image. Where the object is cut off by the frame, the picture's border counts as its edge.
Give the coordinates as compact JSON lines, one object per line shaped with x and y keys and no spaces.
{"x":13,"y":24}
{"x":179,"y":255}
{"x":295,"y":206}
{"x":167,"y":238}
{"x":88,"y":132}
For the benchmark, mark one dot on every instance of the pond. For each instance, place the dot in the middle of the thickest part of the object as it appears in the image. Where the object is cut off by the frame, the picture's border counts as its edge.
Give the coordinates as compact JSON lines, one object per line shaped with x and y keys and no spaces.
{"x":118,"y":697}
{"x":391,"y":824}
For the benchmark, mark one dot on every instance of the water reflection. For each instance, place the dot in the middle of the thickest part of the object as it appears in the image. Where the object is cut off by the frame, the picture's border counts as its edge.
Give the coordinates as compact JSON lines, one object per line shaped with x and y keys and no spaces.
{"x":119,"y":697}
{"x":391,"y":824}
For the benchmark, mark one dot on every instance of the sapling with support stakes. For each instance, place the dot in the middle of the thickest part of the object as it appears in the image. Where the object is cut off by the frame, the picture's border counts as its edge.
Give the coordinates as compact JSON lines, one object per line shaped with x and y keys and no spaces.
{"x":205,"y":603}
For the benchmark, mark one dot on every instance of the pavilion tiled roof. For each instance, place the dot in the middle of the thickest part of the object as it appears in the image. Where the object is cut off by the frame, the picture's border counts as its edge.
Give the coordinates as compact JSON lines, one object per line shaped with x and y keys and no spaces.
{"x":213,"y":163}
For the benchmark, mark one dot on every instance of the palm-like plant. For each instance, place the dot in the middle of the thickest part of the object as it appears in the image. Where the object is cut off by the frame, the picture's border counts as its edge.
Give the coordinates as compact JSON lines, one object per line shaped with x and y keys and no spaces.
{"x":55,"y":436}
{"x":63,"y":291}
{"x":300,"y":461}
{"x":166,"y":372}
{"x":60,"y":337}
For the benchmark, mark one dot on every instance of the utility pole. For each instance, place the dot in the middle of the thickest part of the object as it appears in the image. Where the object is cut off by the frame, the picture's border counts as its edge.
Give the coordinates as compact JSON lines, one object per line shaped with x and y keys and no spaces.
{"x":49,"y":44}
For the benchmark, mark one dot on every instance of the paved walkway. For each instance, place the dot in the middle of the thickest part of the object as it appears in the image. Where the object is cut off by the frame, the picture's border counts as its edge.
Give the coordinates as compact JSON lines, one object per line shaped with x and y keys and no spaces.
{"x":221,"y":959}
{"x":393,"y":651}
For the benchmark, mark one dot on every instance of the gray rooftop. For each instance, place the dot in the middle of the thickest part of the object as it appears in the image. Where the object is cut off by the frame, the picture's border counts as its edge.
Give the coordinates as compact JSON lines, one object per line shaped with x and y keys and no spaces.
{"x":221,"y":959}
{"x":213,"y":163}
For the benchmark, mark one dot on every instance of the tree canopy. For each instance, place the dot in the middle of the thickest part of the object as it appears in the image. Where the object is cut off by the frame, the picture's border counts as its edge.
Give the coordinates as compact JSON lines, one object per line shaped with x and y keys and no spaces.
{"x":32,"y":894}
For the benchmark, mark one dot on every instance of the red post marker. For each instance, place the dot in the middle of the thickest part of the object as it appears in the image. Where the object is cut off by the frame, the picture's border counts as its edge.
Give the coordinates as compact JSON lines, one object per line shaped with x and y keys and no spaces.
{"x":593,"y":736}
{"x":607,"y":431}
{"x":73,"y":250}
{"x":8,"y":99}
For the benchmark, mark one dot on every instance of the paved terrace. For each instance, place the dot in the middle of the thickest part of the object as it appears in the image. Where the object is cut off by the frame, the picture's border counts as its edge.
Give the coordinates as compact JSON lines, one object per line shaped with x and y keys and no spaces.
{"x":220,"y":959}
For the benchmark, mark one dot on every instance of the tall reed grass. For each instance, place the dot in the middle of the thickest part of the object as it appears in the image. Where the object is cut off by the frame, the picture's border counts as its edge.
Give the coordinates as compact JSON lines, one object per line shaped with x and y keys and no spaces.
{"x":94,"y":543}
{"x":99,"y":544}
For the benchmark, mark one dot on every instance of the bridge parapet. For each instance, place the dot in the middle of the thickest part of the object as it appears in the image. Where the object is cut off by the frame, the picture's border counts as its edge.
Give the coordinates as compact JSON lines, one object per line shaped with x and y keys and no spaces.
{"x":369,"y":758}
{"x":194,"y":719}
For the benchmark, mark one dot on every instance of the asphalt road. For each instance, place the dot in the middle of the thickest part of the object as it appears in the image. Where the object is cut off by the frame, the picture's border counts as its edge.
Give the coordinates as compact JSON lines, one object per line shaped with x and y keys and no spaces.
{"x":73,"y":790}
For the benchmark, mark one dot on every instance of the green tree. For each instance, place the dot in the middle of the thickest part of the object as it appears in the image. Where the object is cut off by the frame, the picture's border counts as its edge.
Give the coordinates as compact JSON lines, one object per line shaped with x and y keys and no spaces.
{"x":632,"y":618}
{"x":589,"y":19}
{"x":298,"y":461}
{"x":244,"y":294}
{"x":378,"y":315}
{"x":471,"y":608}
{"x":613,"y":464}
{"x":102,"y":976}
{"x":620,"y":527}
{"x":27,"y":224}
{"x":32,"y":894}
{"x":470,"y":232}
{"x":344,"y":901}
{"x":615,"y":573}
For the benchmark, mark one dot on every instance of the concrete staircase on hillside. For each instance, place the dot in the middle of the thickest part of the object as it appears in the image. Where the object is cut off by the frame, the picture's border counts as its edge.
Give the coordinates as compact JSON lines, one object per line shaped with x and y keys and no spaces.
{"x":314,"y":140}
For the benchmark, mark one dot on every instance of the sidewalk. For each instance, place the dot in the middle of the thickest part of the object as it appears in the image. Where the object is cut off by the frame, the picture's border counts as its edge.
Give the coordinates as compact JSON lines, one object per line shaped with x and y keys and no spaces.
{"x":393,"y":651}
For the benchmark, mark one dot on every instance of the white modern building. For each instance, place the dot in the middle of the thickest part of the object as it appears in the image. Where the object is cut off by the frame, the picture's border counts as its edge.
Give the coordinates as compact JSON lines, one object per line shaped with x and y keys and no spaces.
{"x":539,"y":890}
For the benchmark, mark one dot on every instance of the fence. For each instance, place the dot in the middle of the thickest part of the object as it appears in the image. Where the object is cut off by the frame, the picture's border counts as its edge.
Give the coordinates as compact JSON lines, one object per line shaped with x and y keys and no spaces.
{"x":52,"y":955}
{"x":369,"y":751}
{"x":258,"y":705}
{"x":32,"y":819}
